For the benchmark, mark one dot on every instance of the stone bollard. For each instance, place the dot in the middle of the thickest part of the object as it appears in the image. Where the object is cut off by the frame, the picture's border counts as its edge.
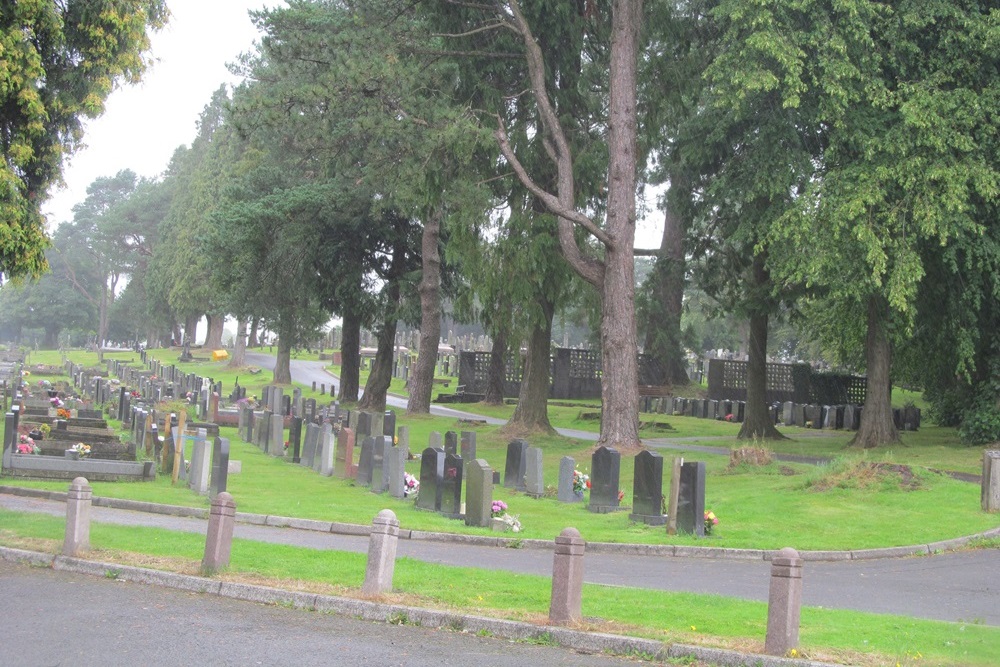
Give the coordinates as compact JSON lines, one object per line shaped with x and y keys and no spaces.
{"x":784,"y":602}
{"x":219,"y":538}
{"x":381,"y":554}
{"x":78,"y":499}
{"x":991,"y":481}
{"x":567,"y":578}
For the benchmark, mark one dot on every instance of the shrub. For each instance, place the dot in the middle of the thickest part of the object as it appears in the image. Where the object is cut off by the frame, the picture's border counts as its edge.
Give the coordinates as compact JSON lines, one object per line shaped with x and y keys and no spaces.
{"x":981,"y":421}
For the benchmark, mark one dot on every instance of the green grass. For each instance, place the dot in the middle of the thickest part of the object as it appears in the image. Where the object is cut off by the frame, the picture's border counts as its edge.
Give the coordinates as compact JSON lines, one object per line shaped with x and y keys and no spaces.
{"x":855,"y":637}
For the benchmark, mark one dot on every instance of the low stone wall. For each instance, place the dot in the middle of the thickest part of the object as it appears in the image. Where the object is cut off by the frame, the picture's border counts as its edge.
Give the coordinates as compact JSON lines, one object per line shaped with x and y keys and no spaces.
{"x":57,"y":467}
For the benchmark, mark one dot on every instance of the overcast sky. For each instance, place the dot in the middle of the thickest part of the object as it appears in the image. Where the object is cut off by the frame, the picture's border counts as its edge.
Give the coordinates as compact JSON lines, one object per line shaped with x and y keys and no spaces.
{"x":144,"y":124}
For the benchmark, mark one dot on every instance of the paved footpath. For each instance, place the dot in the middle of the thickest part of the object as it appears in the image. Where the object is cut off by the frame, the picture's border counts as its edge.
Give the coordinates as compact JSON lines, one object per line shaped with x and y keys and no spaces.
{"x":960,"y":586}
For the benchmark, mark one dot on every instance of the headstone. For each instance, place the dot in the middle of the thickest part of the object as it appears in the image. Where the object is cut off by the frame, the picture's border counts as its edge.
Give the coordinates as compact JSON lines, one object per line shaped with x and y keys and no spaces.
{"x":220,"y":466}
{"x":323,"y":463}
{"x":343,"y":466}
{"x":395,"y":466}
{"x":534,"y":482}
{"x":435,"y":441}
{"x":788,"y":413}
{"x":468,"y":445}
{"x":364,"y":425}
{"x":647,"y":489}
{"x":513,"y":473}
{"x":605,"y":466}
{"x":451,"y":486}
{"x":295,"y":439}
{"x":377,"y":423}
{"x":451,"y":443}
{"x":276,"y":439}
{"x":431,"y":478}
{"x":565,"y":493}
{"x":201,"y":463}
{"x":309,"y":446}
{"x":380,"y":480}
{"x":691,"y":499}
{"x":852,"y":417}
{"x":389,"y":424}
{"x":479,"y":494}
{"x":365,"y":463}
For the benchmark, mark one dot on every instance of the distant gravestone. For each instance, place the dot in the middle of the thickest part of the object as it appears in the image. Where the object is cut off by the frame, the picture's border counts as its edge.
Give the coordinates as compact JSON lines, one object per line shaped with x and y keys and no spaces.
{"x":201,"y":464}
{"x":451,"y":443}
{"x":308,"y":457}
{"x":323,"y":464}
{"x":468,"y":446}
{"x":364,"y":428}
{"x":565,"y":493}
{"x":534,"y":482}
{"x":435,"y":441}
{"x":788,"y":413}
{"x":276,"y":440}
{"x":479,"y":494}
{"x":513,"y":473}
{"x":605,"y":466}
{"x":220,"y":467}
{"x":451,"y":486}
{"x":389,"y":425}
{"x":343,"y":466}
{"x":852,"y":417}
{"x":366,"y":461}
{"x":647,"y":489}
{"x":403,"y":437}
{"x":691,"y":499}
{"x":395,"y":466}
{"x":380,"y":480}
{"x":377,"y":424}
{"x":431,"y":478}
{"x":295,"y":439}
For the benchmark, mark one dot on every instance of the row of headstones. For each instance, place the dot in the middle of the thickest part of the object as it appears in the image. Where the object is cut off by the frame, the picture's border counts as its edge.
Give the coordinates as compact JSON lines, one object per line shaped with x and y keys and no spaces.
{"x":198,"y":390}
{"x":694,"y":407}
{"x":605,"y":465}
{"x":841,"y":416}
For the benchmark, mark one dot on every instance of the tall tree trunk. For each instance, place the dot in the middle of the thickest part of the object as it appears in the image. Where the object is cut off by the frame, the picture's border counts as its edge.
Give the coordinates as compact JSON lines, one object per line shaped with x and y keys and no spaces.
{"x":666,"y":301}
{"x":252,"y":338}
{"x":421,"y":383}
{"x":531,"y":414}
{"x":190,"y":328}
{"x":757,"y":422}
{"x":239,"y":358}
{"x":497,"y":373}
{"x":283,"y":361}
{"x":377,"y":386}
{"x":216,"y":325}
{"x":350,"y":358}
{"x":877,"y":427}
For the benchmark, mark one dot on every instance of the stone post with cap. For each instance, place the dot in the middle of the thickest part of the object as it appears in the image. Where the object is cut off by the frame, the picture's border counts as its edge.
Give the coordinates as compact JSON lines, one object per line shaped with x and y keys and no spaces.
{"x":381,"y":554}
{"x":78,"y":499}
{"x":567,"y":578}
{"x":784,"y":602}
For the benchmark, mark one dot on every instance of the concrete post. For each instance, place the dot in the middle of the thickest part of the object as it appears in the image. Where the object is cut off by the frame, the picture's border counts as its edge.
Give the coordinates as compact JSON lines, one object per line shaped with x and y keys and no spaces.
{"x":381,"y":554}
{"x":991,"y":481}
{"x":219,"y":539}
{"x":784,"y":602}
{"x":567,"y":578}
{"x":78,"y":499}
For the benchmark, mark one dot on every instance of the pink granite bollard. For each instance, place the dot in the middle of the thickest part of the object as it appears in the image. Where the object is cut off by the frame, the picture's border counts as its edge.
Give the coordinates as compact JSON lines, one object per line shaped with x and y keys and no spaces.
{"x":567,"y":578}
{"x":219,"y":539}
{"x":784,"y":602}
{"x":381,"y":554}
{"x":78,"y":500}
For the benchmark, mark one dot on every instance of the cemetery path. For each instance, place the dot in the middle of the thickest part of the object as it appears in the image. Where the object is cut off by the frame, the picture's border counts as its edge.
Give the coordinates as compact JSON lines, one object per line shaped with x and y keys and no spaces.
{"x":130,"y":624}
{"x":959,"y":586}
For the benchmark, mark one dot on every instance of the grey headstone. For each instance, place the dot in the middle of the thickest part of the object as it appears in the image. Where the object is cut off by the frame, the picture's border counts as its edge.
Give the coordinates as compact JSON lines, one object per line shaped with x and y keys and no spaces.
{"x":395,"y":466}
{"x":534,"y":482}
{"x":565,"y":493}
{"x":479,"y":494}
{"x":431,"y":478}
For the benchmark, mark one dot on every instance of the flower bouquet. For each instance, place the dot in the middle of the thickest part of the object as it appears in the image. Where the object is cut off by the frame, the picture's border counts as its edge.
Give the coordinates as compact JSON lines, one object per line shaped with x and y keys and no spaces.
{"x":25,"y":445}
{"x":82,"y":450}
{"x":411,"y":485}
{"x":581,"y":482}
{"x":711,"y":521}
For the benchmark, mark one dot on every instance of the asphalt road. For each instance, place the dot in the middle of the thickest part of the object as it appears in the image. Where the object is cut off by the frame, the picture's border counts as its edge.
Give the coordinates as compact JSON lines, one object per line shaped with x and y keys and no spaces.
{"x":60,"y":618}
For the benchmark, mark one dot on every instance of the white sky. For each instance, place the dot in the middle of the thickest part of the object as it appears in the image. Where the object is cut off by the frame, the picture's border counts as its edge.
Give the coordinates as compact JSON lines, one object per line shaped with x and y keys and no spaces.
{"x":144,"y":124}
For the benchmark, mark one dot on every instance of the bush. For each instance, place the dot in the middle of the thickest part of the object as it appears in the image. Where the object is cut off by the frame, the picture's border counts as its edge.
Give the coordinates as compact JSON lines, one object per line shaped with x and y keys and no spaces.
{"x":981,"y":421}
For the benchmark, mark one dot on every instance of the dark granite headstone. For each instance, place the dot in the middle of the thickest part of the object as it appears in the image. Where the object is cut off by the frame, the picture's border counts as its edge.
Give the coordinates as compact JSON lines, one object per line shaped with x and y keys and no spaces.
{"x":451,"y":443}
{"x":366,"y":461}
{"x":295,"y":439}
{"x":389,"y":425}
{"x":852,"y":417}
{"x":364,"y":425}
{"x":691,"y":499}
{"x":431,"y":479}
{"x":647,"y":489}
{"x":513,"y":473}
{"x":451,"y":485}
{"x":605,"y":465}
{"x":220,"y":466}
